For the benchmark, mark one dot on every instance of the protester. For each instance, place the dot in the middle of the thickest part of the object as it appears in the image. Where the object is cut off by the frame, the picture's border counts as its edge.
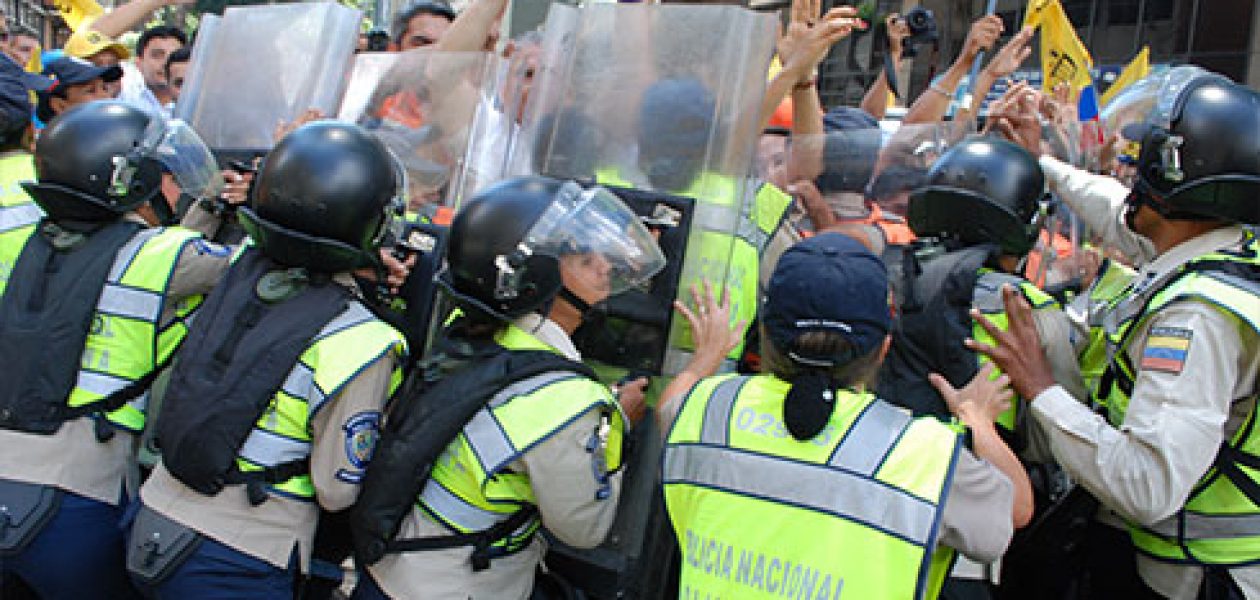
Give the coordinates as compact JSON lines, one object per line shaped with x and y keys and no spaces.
{"x":145,"y":84}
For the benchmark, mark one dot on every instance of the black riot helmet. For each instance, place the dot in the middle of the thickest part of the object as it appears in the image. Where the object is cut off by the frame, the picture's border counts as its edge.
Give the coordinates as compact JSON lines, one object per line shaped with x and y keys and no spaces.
{"x":507,"y":243}
{"x":325,"y":199}
{"x":89,"y":163}
{"x":984,"y":190}
{"x":1200,"y":151}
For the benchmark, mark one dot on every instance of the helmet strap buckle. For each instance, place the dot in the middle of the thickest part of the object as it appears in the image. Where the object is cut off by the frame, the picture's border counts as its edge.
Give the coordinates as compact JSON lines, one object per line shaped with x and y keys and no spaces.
{"x":60,"y":238}
{"x":507,"y":282}
{"x":280,"y":285}
{"x":1170,"y":153}
{"x":120,"y":178}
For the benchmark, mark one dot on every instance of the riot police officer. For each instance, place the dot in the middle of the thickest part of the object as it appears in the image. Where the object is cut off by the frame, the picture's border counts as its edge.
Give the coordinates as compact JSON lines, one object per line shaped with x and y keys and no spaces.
{"x":1170,"y":454}
{"x":94,"y":306}
{"x":800,"y":483}
{"x":275,"y":401}
{"x":978,"y":209}
{"x":543,"y":449}
{"x":977,"y":213}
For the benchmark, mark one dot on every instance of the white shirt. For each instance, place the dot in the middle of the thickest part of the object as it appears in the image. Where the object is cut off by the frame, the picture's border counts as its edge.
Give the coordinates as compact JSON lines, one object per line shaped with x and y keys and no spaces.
{"x":137,"y":93}
{"x":1175,"y":423}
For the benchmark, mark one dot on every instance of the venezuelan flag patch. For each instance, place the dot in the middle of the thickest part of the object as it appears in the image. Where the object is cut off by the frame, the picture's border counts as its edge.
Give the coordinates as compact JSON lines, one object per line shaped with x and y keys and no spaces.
{"x":1166,"y":349}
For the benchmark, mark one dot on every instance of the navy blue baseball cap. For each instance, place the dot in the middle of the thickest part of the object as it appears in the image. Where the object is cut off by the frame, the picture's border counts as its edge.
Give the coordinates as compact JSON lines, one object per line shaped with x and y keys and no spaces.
{"x":70,"y":70}
{"x":16,"y":85}
{"x":829,"y":282}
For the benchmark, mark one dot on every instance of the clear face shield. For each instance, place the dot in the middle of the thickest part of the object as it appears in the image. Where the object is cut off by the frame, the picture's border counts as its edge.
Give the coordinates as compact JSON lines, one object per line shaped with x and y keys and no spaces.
{"x":1150,"y":102}
{"x":603,"y":247}
{"x":179,"y":149}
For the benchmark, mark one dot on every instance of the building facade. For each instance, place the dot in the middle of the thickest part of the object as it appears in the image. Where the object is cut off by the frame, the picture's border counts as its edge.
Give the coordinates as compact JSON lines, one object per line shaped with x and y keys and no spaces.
{"x":1221,"y":35}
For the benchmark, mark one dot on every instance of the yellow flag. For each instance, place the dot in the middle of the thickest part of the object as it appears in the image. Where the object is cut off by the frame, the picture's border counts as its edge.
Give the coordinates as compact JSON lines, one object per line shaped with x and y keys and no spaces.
{"x":1138,"y":68}
{"x":1063,"y":56}
{"x":77,"y":12}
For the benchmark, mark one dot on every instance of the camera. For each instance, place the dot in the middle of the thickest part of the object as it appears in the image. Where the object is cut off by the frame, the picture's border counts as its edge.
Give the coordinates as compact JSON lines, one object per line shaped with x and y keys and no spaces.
{"x":377,"y":41}
{"x":923,"y":29}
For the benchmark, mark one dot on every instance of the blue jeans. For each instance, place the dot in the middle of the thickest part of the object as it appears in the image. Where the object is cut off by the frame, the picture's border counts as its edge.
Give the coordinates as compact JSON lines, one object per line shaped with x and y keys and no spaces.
{"x":217,"y":572}
{"x":79,"y":554}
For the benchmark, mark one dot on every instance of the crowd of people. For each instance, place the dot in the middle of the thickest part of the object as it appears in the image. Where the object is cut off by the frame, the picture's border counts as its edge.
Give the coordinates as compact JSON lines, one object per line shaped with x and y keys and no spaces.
{"x":970,"y":354}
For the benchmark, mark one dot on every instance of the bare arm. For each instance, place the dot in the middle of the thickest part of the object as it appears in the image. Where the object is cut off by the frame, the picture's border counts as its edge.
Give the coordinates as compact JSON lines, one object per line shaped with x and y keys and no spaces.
{"x":802,"y":47}
{"x":931,"y":105}
{"x":130,"y":15}
{"x":1005,"y":62}
{"x":473,"y":27}
{"x":806,"y":111}
{"x":977,"y":405}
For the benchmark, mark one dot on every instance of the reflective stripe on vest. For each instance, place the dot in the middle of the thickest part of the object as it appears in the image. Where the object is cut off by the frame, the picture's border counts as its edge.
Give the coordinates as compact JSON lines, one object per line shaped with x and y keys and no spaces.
{"x":470,"y":489}
{"x":127,"y":341}
{"x":987,"y":298}
{"x":21,"y":215}
{"x":18,"y":213}
{"x":1219,"y":524}
{"x":1228,"y":293}
{"x":760,"y":514}
{"x":1110,"y":286}
{"x":342,"y":349}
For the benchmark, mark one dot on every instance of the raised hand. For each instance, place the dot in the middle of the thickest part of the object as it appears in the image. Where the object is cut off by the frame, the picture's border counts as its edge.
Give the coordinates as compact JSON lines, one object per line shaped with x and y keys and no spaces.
{"x":1017,"y":351}
{"x":984,"y":33}
{"x":808,"y":37}
{"x":1012,"y":55}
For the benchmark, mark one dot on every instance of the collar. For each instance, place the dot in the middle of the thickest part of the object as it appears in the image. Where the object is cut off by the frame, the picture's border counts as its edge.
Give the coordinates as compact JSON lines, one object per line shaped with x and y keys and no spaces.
{"x":535,"y":332}
{"x":1182,"y":253}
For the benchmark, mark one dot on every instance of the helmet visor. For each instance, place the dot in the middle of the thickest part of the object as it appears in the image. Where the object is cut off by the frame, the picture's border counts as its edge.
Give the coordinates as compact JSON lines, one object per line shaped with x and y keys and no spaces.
{"x":181,"y":151}
{"x":1149,"y":101}
{"x":599,"y":241}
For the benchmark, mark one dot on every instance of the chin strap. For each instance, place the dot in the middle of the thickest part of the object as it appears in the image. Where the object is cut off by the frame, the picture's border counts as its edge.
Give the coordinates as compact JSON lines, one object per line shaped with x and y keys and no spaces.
{"x":162,"y":210}
{"x":581,"y":305}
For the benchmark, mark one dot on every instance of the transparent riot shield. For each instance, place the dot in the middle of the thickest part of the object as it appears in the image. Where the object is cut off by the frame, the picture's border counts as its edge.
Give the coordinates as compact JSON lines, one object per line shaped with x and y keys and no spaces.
{"x":859,"y":180}
{"x":369,"y":68}
{"x":659,"y":98}
{"x":268,"y":64}
{"x":425,"y":107}
{"x":190,"y":95}
{"x":659,"y":103}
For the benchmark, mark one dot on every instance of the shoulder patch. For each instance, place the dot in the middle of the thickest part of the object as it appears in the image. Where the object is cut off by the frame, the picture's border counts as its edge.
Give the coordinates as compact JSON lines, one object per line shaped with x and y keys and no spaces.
{"x":206,"y":247}
{"x":1166,"y":349}
{"x":362,"y":430}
